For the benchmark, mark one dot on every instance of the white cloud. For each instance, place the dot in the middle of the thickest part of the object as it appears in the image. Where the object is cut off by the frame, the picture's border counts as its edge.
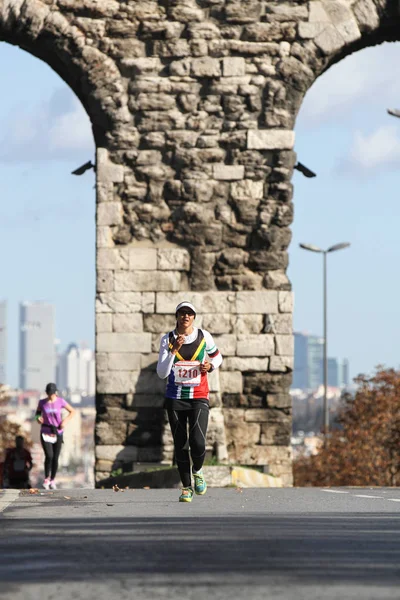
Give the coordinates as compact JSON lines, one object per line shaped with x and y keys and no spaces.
{"x":58,"y":129}
{"x":335,"y":90}
{"x":376,"y":151}
{"x":71,"y":131}
{"x":356,"y":82}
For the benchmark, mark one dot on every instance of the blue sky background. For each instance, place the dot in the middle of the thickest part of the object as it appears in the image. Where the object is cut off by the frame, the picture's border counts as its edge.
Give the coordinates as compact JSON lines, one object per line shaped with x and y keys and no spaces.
{"x":47,"y":228}
{"x":47,"y":215}
{"x":344,"y":134}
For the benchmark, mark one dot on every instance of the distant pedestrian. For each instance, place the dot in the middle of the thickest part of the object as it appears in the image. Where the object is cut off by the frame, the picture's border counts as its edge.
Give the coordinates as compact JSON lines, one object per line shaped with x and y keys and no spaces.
{"x":49,"y":415}
{"x":186,"y":356}
{"x":17,"y":465}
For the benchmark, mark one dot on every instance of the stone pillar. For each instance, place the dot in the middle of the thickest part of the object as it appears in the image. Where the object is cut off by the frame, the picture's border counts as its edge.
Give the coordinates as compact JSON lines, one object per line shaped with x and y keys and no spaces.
{"x":194,"y":202}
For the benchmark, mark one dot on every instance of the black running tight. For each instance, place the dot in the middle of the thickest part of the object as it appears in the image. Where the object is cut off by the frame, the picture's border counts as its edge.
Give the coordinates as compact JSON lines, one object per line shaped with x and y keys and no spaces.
{"x":51,"y":455}
{"x":196,"y":419}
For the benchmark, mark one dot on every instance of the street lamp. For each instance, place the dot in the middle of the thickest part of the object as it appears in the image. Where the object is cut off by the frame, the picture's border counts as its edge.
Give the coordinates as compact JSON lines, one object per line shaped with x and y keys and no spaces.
{"x":394,"y":112}
{"x":83,"y":168}
{"x":313,"y":248}
{"x":304,"y":170}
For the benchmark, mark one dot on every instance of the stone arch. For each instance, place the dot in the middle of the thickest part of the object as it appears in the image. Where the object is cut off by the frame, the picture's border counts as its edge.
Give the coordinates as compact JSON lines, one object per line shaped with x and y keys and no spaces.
{"x":330,"y":30}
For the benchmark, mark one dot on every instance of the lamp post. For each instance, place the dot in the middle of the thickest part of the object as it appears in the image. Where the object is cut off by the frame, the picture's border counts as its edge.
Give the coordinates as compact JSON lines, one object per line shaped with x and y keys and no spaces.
{"x":313,"y":248}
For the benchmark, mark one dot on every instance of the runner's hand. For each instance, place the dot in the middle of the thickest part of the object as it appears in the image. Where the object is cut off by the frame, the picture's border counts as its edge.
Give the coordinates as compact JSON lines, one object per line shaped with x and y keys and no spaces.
{"x":40,"y":419}
{"x":205,"y":366}
{"x":178,"y":343}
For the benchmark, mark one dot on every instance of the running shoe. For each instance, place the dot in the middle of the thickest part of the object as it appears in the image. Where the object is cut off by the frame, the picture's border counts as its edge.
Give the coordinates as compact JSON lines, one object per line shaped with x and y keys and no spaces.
{"x":186,"y":495}
{"x":46,"y":484}
{"x":53,"y":485}
{"x":200,"y":486}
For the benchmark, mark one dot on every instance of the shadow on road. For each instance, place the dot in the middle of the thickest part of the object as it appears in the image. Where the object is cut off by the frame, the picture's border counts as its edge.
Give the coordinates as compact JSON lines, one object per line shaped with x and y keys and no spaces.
{"x":311,"y":548}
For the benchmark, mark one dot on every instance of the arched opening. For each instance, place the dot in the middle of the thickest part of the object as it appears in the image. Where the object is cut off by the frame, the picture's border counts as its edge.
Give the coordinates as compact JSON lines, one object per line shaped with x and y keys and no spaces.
{"x":344,"y":134}
{"x":48,"y":246}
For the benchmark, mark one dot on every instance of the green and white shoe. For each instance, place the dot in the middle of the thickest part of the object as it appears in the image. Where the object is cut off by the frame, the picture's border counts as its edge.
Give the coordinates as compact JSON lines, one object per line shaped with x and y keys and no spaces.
{"x":186,"y":495}
{"x":200,"y":486}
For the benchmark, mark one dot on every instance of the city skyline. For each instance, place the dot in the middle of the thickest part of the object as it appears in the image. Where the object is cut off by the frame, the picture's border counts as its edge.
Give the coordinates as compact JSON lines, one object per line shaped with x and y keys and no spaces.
{"x":76,"y":371}
{"x":32,"y":317}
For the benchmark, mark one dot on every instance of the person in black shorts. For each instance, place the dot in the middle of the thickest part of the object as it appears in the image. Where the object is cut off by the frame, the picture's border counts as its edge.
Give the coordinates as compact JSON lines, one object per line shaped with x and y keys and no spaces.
{"x":186,"y":356}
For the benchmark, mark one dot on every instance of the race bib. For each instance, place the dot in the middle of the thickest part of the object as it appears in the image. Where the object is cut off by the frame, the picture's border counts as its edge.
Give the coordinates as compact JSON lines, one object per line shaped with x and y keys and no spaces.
{"x":49,"y":437}
{"x":187,"y":373}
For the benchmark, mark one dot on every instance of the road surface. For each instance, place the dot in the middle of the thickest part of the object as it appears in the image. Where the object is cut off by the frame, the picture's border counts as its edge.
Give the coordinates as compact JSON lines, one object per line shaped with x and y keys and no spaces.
{"x":250,"y":544}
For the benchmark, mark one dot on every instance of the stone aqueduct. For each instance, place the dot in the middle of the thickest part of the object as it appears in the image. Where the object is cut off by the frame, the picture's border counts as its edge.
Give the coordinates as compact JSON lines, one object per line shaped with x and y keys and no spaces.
{"x":193,"y":105}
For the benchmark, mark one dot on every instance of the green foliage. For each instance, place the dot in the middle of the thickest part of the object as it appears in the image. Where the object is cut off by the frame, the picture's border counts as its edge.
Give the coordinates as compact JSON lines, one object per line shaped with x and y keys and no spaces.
{"x":117,"y":472}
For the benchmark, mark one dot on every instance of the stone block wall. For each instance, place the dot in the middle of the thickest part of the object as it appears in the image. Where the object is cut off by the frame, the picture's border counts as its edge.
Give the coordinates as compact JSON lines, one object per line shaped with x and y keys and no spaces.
{"x":193,"y":105}
{"x":250,"y":419}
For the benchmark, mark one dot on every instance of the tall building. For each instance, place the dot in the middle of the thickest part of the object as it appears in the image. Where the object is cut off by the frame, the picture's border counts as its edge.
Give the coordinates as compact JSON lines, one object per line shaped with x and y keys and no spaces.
{"x":309,"y":364}
{"x":300,"y":373}
{"x":315,"y":361}
{"x":308,"y":356}
{"x":333,"y":372}
{"x":3,"y":342}
{"x":345,"y":372}
{"x":37,"y":351}
{"x":76,"y":371}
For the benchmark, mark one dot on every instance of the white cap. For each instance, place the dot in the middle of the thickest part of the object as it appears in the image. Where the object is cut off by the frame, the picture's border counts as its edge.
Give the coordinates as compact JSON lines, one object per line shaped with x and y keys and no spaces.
{"x":187,"y":305}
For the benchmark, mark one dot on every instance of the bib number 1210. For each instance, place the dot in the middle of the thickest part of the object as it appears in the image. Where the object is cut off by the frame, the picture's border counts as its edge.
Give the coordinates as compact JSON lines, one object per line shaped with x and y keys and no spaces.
{"x":187,"y":372}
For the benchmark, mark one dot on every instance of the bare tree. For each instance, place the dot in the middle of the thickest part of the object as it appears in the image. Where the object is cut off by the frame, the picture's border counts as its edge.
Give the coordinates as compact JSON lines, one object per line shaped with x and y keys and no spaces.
{"x":365,"y":450}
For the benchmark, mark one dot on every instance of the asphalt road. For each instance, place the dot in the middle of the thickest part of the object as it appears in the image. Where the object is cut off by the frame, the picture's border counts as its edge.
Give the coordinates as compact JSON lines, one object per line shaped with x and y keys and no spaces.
{"x":276,"y":544}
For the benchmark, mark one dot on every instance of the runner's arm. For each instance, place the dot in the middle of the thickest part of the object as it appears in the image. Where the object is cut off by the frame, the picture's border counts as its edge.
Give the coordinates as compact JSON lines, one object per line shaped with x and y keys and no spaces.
{"x":214,"y":355}
{"x":71,"y":412}
{"x":165,"y":359}
{"x":38,"y":414}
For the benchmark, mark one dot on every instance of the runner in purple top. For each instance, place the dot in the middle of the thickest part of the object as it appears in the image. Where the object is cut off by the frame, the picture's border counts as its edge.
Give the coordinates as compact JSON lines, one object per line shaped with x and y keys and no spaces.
{"x":49,"y":414}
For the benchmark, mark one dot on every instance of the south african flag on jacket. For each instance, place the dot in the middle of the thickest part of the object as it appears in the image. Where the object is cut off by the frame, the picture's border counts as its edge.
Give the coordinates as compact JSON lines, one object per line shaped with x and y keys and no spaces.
{"x":196,"y":350}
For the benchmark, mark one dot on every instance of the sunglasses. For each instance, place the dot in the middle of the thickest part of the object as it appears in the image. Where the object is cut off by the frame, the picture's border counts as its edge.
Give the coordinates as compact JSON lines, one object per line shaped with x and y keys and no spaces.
{"x":182,"y":313}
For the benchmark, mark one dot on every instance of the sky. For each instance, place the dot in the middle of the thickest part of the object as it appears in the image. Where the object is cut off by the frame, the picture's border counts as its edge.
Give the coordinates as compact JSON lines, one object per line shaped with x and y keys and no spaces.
{"x":47,"y":215}
{"x":343,"y":133}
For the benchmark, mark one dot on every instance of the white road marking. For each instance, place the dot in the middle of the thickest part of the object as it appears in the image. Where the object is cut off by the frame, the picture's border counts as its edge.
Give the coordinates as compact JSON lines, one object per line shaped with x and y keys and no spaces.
{"x":7,"y":498}
{"x":366,"y":496}
{"x":362,"y":495}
